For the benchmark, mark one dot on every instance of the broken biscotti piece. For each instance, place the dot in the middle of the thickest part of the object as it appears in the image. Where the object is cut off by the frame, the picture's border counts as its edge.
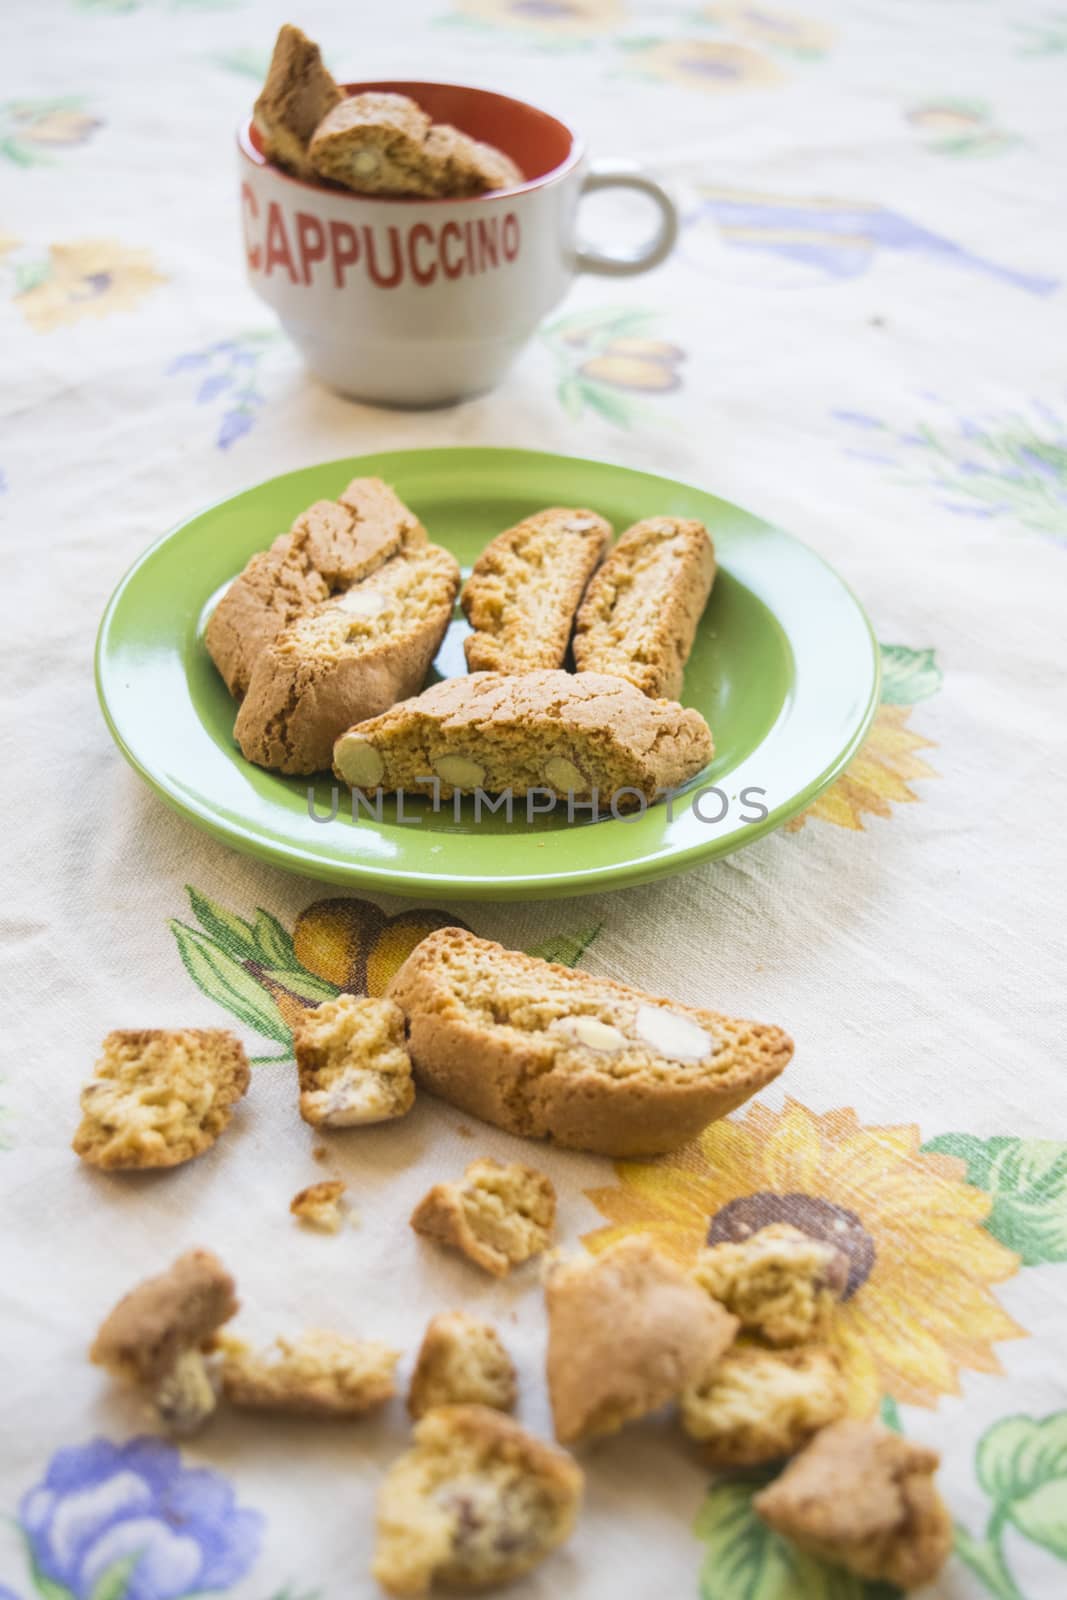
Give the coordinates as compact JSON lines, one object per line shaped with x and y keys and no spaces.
{"x":551,"y":731}
{"x":476,"y":1501}
{"x":320,"y":1374}
{"x":628,"y":1330}
{"x":759,"y":1405}
{"x":863,"y":1498}
{"x":298,"y":93}
{"x":461,"y":1362}
{"x":348,"y":659}
{"x":353,"y":1063}
{"x":549,"y":1052}
{"x":160,"y":1097}
{"x":497,"y":1216}
{"x":525,"y":587}
{"x":330,"y":546}
{"x":385,"y":144}
{"x":780,"y":1282}
{"x":319,"y":1205}
{"x":156,"y":1334}
{"x":640,"y":613}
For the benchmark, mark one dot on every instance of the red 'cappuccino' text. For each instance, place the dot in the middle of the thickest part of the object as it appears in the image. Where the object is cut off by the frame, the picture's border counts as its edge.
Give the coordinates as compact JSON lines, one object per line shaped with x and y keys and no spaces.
{"x":306,"y":248}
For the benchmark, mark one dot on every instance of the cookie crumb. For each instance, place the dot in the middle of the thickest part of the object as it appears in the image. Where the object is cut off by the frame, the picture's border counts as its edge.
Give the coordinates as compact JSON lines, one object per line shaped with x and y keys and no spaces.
{"x":461,"y":1361}
{"x":497,"y":1216}
{"x":319,"y":1205}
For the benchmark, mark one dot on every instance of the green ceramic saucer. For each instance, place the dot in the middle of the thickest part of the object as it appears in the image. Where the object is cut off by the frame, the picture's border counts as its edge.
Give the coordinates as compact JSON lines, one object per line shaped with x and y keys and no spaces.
{"x":785,"y":669}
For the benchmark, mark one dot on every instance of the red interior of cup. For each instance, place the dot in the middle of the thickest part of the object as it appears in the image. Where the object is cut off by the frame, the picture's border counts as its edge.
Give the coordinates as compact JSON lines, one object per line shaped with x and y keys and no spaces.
{"x":537,"y":142}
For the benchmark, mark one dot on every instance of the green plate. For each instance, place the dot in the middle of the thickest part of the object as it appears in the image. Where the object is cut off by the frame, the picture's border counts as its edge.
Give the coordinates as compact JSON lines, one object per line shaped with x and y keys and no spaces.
{"x":785,"y":669}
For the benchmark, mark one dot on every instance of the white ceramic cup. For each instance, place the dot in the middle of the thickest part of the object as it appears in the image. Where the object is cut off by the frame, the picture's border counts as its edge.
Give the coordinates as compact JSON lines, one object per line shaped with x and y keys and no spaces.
{"x":422,"y":302}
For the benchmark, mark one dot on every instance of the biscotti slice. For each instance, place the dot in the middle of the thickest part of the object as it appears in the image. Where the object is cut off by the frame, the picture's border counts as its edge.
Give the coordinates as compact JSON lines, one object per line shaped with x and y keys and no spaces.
{"x":498,"y":1216}
{"x":460,"y":165}
{"x":863,"y":1498}
{"x":758,"y":1405}
{"x":352,"y":1062}
{"x":779,"y":1281}
{"x":461,"y":1361}
{"x":640,"y":613}
{"x":155,"y":1337}
{"x":549,"y":1052}
{"x":373,"y":143}
{"x":348,"y":660}
{"x":554,"y":732}
{"x":320,"y":1373}
{"x":525,"y":587}
{"x":627,"y":1331}
{"x":476,"y":1501}
{"x":330,"y":546}
{"x":159,"y":1096}
{"x":298,"y":93}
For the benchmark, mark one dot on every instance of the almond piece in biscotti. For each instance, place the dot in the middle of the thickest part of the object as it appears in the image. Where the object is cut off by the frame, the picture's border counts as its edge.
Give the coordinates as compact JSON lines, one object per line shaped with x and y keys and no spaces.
{"x":298,"y":93}
{"x":640,"y":613}
{"x":372,"y":143}
{"x":526,"y":586}
{"x":330,"y":546}
{"x":550,"y":1052}
{"x":529,"y":731}
{"x":339,"y":664}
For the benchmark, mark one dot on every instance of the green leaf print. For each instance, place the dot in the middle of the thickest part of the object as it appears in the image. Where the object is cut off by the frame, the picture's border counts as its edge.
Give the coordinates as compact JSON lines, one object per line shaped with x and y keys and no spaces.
{"x":1027,"y":1179}
{"x":233,"y":933}
{"x":272,"y":942}
{"x":745,"y":1560}
{"x":1022,"y":1464}
{"x":223,"y":979}
{"x":114,"y":1581}
{"x":567,"y":948}
{"x":908,"y":675}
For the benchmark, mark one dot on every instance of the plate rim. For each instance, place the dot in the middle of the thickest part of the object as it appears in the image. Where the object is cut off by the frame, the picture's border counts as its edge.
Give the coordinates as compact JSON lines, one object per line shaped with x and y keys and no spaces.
{"x":412,"y":884}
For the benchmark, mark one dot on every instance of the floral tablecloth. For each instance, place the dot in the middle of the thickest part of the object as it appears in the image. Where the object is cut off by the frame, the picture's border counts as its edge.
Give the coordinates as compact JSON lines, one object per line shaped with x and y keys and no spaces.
{"x":861,"y":336}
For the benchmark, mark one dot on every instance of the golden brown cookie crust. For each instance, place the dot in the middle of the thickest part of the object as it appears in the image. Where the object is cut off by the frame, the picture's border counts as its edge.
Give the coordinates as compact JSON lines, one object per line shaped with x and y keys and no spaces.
{"x":476,"y":1501}
{"x":461,"y":1361}
{"x":520,"y":1043}
{"x":640,"y":613}
{"x":526,"y":586}
{"x":298,"y":93}
{"x":143,"y":1335}
{"x":353,"y":1063}
{"x":385,"y":144}
{"x":863,"y":1498}
{"x":348,"y":660}
{"x":319,"y":1205}
{"x":320,"y":1373}
{"x":555,"y":732}
{"x":780,"y":1282}
{"x":498,"y":1215}
{"x":628,"y":1330}
{"x":330,"y":546}
{"x":758,"y":1405}
{"x":160,"y":1096}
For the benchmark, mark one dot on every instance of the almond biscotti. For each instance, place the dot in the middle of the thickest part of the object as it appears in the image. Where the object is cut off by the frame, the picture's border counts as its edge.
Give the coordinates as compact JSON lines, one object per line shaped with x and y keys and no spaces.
{"x":347,"y":660}
{"x":331,"y":545}
{"x":498,"y":1216}
{"x":352,"y":1062}
{"x":298,"y":93}
{"x":552,"y":731}
{"x":548,"y":1052}
{"x":318,"y":1374}
{"x":526,"y":586}
{"x":386,"y":144}
{"x":641,"y":610}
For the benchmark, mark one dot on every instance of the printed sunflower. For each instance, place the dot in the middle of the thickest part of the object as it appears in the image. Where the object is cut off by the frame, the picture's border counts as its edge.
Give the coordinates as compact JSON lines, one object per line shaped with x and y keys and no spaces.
{"x":918,"y":1308}
{"x":573,"y":17}
{"x":880,"y":775}
{"x":31,"y":129}
{"x":89,"y":278}
{"x":711,"y":65}
{"x":608,"y":354}
{"x":777,"y":30}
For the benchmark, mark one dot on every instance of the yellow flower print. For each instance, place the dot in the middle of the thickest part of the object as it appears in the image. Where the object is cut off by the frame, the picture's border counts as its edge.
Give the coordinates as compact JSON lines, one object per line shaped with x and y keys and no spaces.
{"x":550,"y":16}
{"x":90,"y":278}
{"x":918,"y":1308}
{"x":704,"y":64}
{"x":880,"y":775}
{"x":777,"y":30}
{"x":640,"y":364}
{"x":351,"y":944}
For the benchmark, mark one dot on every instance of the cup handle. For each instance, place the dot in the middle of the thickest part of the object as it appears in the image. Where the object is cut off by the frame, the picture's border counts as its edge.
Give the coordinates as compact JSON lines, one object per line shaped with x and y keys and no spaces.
{"x":617,"y":175}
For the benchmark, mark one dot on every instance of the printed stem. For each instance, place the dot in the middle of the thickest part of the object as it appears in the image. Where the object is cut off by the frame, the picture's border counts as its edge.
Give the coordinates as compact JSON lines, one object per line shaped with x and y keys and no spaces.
{"x":987,"y":1559}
